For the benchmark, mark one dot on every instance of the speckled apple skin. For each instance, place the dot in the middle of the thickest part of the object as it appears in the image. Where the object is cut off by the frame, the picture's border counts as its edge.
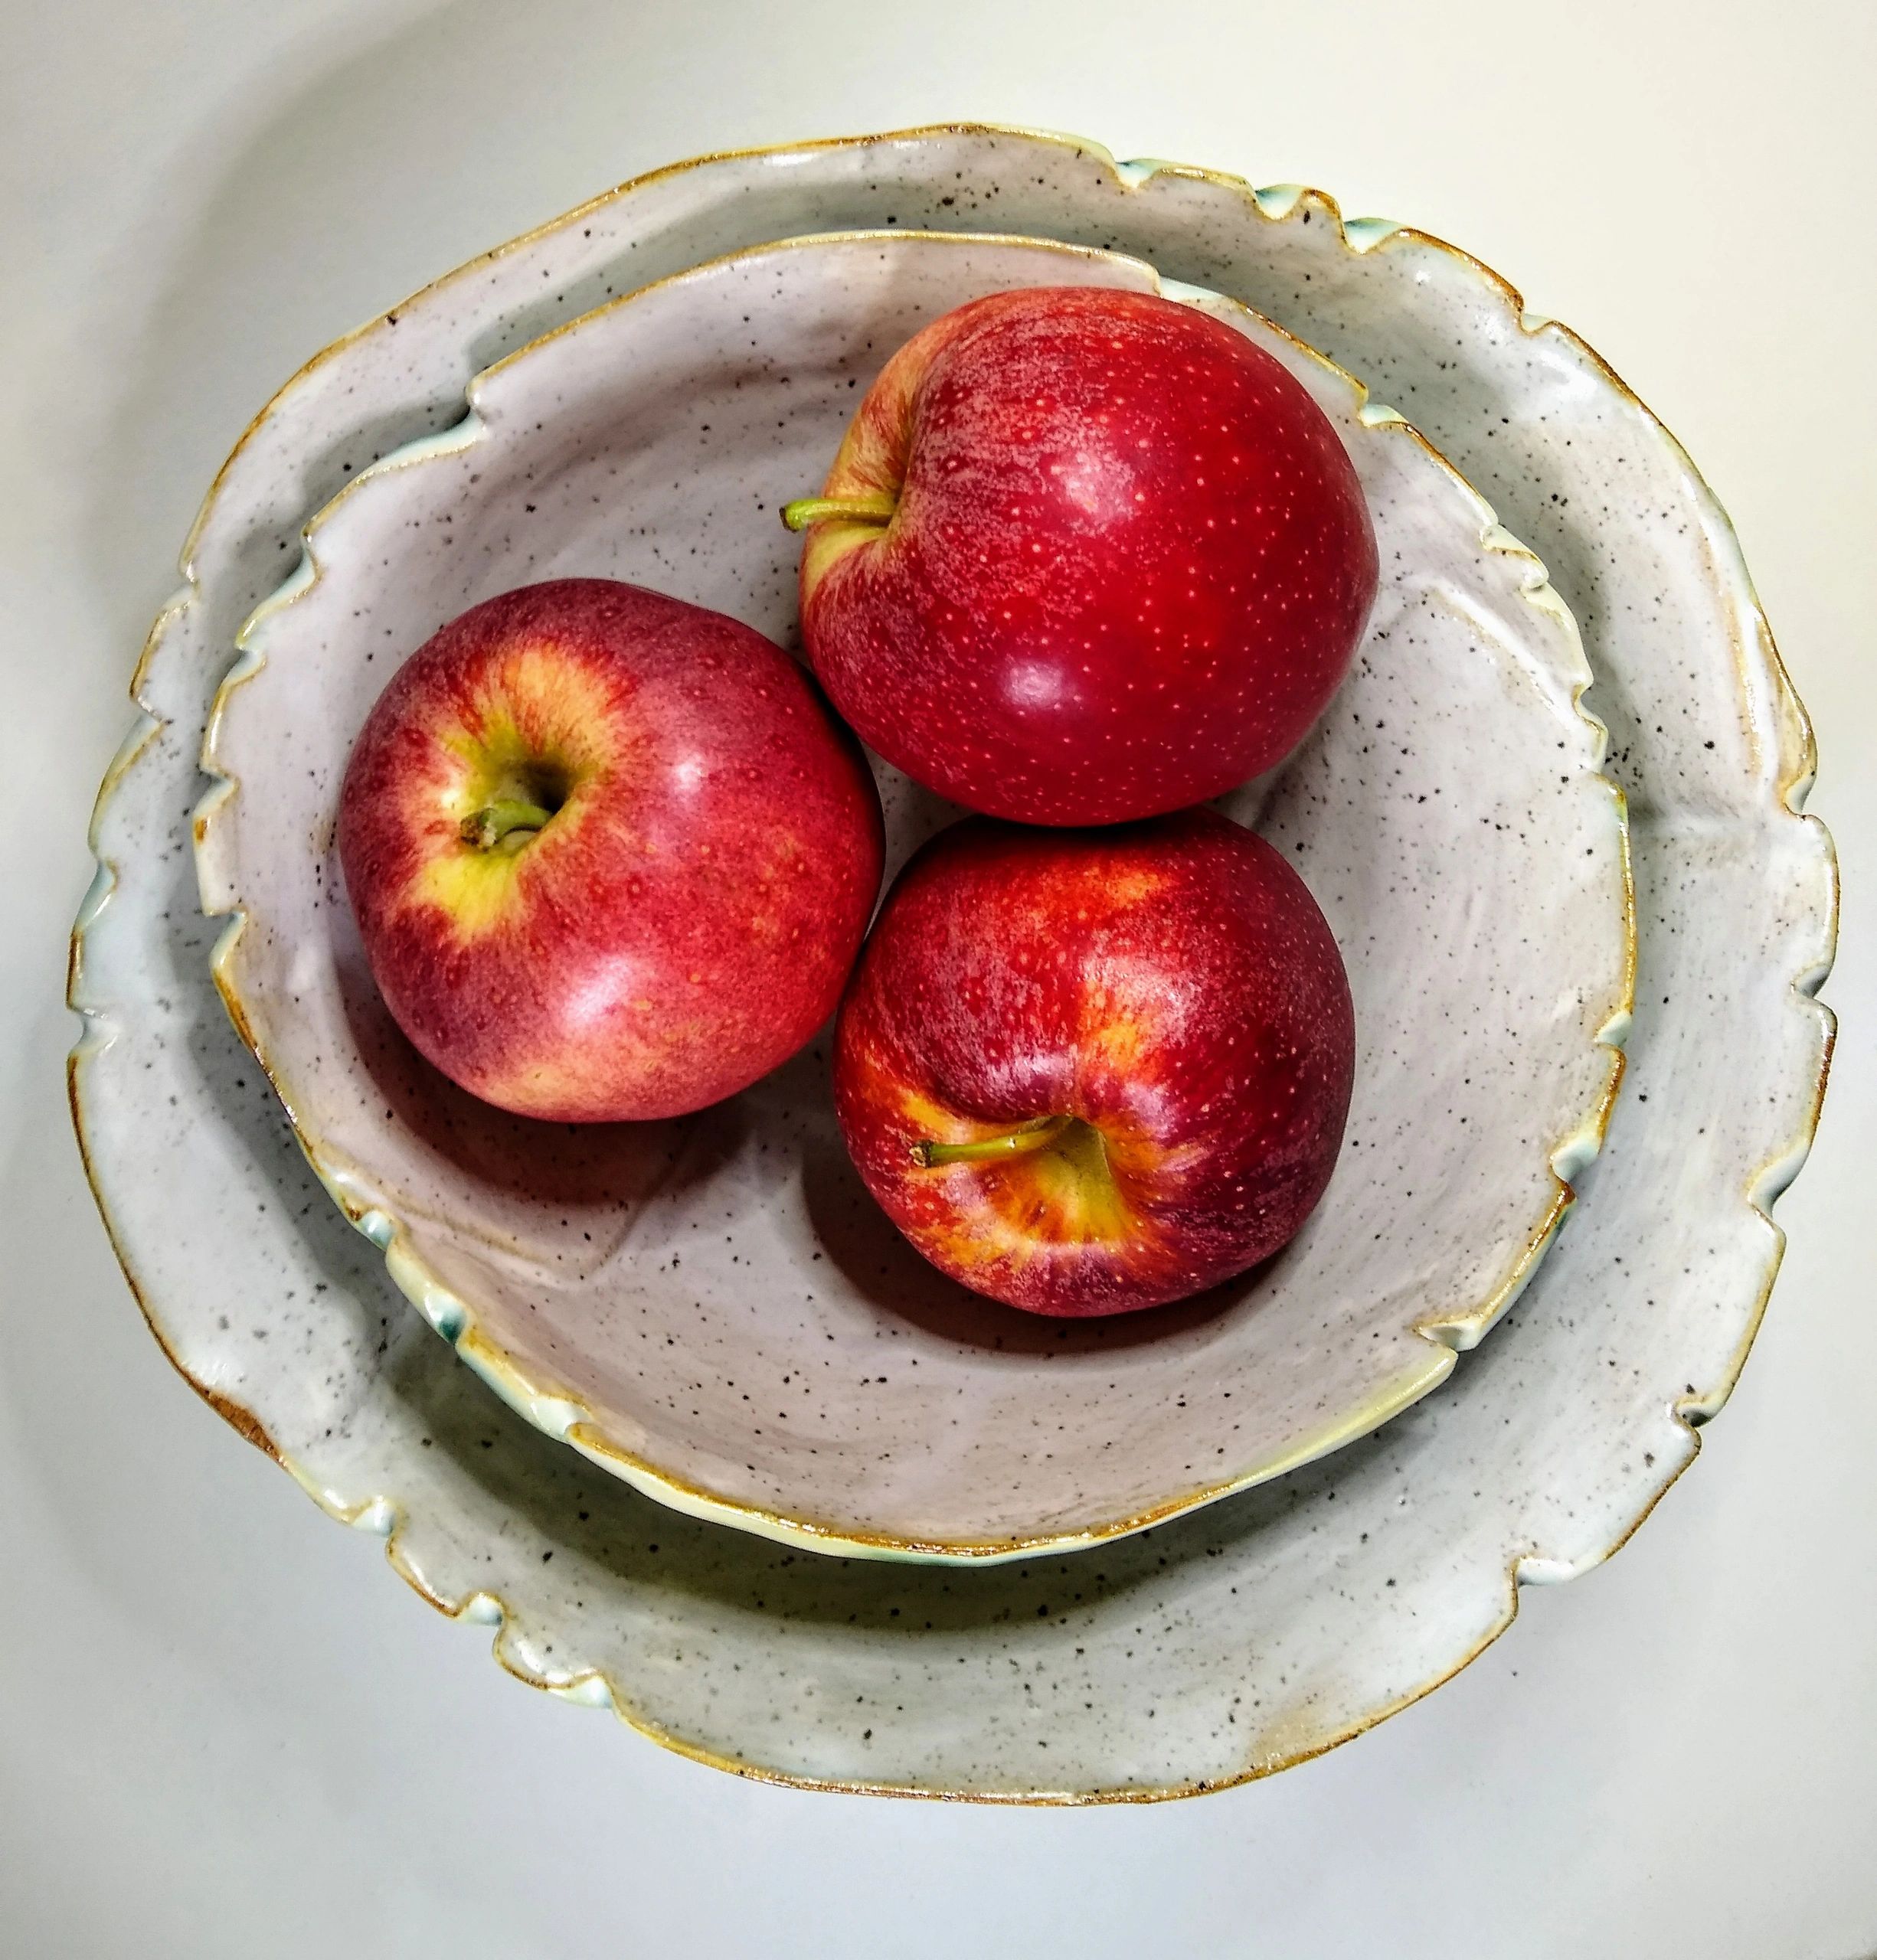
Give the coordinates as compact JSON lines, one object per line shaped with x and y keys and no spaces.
{"x":1172,"y":983}
{"x":685,"y":920}
{"x":1130,"y":564}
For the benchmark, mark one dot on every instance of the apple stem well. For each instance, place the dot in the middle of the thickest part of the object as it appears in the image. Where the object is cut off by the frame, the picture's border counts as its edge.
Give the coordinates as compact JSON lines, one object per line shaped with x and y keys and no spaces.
{"x":505,"y":825}
{"x":1038,"y":1135}
{"x":870,"y":506}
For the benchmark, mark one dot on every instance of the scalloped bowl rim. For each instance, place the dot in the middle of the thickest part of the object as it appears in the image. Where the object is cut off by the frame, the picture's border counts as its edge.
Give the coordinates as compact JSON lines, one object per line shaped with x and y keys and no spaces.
{"x":566,"y":1417}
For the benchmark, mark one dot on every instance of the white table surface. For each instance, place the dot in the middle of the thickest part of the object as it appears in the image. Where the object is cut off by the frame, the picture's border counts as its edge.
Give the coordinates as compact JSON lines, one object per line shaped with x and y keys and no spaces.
{"x":226,"y":1729}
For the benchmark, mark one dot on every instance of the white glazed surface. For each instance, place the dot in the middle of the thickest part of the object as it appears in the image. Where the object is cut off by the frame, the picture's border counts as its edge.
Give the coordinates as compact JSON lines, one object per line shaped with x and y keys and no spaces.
{"x":1269,"y":1626}
{"x":713,"y":1306}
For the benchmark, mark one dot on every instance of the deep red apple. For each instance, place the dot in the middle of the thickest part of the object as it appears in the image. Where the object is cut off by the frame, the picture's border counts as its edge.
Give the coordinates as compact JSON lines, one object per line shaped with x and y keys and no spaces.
{"x":1084,"y":555}
{"x":1089,"y":1071}
{"x":609,"y":854}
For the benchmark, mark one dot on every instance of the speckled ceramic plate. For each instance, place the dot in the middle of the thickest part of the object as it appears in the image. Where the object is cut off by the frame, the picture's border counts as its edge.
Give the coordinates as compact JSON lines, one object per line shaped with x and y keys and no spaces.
{"x":1263,"y":1629}
{"x":711,"y":1307}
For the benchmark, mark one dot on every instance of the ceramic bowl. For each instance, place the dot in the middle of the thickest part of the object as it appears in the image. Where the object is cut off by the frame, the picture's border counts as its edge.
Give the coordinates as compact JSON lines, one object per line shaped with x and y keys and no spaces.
{"x":711,"y":1307}
{"x":1266,"y":1628}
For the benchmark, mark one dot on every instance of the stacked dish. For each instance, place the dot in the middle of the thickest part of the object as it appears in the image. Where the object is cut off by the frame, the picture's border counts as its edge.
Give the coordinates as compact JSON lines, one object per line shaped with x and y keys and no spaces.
{"x":1269,"y":1624}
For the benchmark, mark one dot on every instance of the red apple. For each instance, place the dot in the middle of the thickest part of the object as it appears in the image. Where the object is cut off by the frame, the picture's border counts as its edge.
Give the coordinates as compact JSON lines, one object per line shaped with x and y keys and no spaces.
{"x":1089,"y":1071}
{"x":1084,"y":555}
{"x":609,"y":854}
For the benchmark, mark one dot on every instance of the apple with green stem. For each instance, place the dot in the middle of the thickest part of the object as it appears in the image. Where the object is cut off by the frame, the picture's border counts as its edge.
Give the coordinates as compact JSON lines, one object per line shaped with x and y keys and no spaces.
{"x":1084,"y":555}
{"x":609,"y":854}
{"x":1088,"y":1071}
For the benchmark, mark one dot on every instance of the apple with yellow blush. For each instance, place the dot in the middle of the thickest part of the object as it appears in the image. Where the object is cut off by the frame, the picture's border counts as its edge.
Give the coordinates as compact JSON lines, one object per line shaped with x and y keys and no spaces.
{"x":609,"y":854}
{"x":1089,"y":1071}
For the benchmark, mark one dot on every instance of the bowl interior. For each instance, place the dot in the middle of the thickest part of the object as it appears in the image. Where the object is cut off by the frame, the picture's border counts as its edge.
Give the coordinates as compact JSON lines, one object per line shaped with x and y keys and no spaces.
{"x":713,"y":1307}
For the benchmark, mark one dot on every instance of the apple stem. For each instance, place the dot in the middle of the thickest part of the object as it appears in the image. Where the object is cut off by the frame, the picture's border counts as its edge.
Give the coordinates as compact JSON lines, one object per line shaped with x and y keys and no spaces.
{"x":507,"y":823}
{"x":1020,"y":1143}
{"x":870,"y":506}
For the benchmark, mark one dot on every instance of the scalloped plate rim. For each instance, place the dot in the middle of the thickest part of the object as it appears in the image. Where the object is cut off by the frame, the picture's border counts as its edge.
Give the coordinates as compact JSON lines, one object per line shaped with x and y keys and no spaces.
{"x":386,"y":1517}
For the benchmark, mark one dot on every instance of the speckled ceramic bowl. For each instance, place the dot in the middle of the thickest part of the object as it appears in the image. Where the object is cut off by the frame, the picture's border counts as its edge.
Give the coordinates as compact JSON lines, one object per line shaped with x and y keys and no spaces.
{"x":1267,"y":1627}
{"x":712,"y":1307}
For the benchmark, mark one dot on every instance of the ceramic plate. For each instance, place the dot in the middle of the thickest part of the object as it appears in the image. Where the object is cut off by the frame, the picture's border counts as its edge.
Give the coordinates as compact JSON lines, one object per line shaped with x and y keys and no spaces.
{"x":1266,"y":1628}
{"x":712,"y":1307}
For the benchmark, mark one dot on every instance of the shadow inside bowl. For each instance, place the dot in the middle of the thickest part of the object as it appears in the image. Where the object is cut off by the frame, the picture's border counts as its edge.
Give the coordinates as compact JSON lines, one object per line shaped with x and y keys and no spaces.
{"x":594,"y":1169}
